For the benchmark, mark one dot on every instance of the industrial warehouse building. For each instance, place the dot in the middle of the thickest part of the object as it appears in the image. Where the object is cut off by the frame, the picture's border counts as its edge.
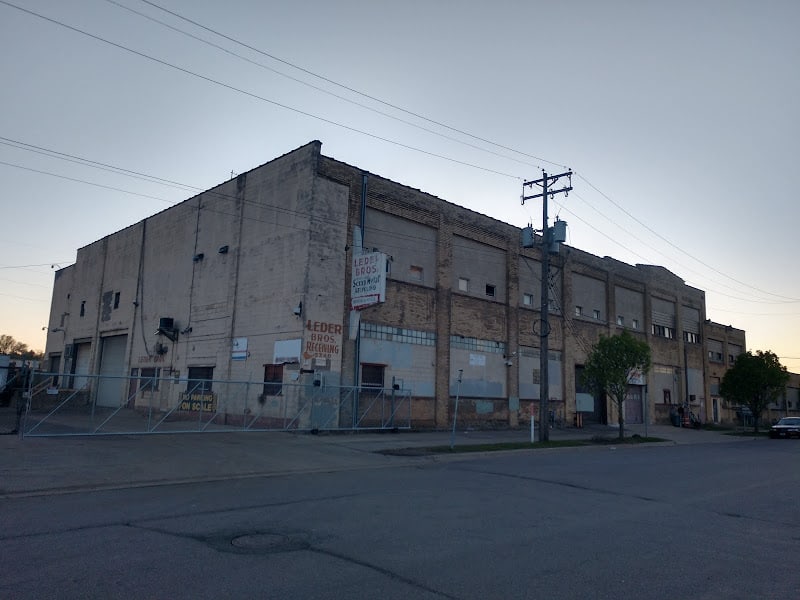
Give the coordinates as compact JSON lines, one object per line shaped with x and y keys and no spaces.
{"x":309,"y":272}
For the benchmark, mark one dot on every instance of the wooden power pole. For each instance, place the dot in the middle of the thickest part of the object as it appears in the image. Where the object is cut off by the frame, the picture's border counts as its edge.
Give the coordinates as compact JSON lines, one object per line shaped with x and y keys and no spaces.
{"x":545,"y":184}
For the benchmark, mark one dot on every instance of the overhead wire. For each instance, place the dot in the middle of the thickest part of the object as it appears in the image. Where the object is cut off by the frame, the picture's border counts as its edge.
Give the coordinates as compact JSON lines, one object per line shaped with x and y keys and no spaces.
{"x":678,"y":248}
{"x":320,"y":89}
{"x":100,"y":185}
{"x":462,"y":132}
{"x":259,"y":97}
{"x":348,"y":88}
{"x":147,"y":177}
{"x":212,"y":193}
{"x":165,"y":63}
{"x":689,"y":269}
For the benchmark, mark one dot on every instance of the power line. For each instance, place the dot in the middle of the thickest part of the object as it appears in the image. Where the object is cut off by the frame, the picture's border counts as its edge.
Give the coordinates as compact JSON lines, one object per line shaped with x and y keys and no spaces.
{"x":258,"y":97}
{"x":24,"y":298}
{"x":100,"y":185}
{"x":350,"y":89}
{"x":367,"y":133}
{"x":92,"y":163}
{"x":678,"y":248}
{"x":212,"y":193}
{"x":670,"y":258}
{"x":462,"y":132}
{"x":187,"y":187}
{"x":315,"y":87}
{"x":49,"y":264}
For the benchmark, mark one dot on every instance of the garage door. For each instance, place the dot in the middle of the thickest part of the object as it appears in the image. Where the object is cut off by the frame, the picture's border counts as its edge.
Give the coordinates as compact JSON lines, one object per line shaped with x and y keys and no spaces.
{"x":81,"y":355}
{"x":112,"y":367}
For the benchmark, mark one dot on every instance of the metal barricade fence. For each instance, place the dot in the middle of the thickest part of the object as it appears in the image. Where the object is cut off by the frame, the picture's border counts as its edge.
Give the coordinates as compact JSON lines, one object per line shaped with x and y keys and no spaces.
{"x":67,"y":405}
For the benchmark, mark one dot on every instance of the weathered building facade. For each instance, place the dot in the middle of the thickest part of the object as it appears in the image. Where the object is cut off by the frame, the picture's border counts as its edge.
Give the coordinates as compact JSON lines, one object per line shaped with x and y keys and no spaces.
{"x":252,"y":280}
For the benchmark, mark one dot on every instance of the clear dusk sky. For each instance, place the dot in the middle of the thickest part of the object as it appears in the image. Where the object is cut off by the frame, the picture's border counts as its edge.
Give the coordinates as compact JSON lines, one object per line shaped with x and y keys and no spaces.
{"x":679,"y":118}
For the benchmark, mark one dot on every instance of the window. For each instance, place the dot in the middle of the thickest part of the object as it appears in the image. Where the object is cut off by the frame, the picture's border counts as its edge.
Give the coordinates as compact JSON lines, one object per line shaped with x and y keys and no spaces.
{"x":415,"y":273}
{"x":148,"y":379}
{"x":620,"y":320}
{"x":372,"y":376}
{"x":714,"y":356}
{"x":731,"y":359}
{"x":200,"y":380}
{"x":273,"y":380}
{"x":83,"y":308}
{"x":691,"y":338}
{"x":663,"y":331}
{"x":527,"y":299}
{"x":490,"y":290}
{"x":667,"y":397}
{"x":116,"y":300}
{"x":578,"y":311}
{"x":635,"y":323}
{"x":463,"y":284}
{"x":596,"y":314}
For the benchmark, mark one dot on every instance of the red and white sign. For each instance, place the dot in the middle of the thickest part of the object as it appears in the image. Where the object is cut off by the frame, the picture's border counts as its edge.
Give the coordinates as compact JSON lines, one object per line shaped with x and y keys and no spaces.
{"x":368,"y":280}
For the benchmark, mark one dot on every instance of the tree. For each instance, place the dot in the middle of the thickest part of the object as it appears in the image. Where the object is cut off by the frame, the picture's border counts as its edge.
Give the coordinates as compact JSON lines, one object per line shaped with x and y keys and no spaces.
{"x":610,"y":365}
{"x":16,"y":349}
{"x":754,"y":381}
{"x":10,"y":346}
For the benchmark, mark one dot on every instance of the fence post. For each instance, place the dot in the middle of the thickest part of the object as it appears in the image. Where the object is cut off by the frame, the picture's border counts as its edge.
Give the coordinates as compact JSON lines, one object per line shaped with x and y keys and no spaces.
{"x":455,"y":412}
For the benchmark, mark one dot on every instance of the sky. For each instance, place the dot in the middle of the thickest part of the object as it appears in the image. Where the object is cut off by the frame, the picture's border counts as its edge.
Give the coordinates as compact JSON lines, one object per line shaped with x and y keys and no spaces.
{"x":679,"y":120}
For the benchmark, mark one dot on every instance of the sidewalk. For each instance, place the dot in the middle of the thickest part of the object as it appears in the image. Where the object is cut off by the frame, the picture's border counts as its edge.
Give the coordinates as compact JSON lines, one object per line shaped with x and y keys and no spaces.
{"x":42,"y":466}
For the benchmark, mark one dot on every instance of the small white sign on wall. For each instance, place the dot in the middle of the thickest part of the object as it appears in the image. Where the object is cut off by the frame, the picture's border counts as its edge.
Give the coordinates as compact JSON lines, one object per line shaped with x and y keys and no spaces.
{"x":239,"y":348}
{"x":477,"y":360}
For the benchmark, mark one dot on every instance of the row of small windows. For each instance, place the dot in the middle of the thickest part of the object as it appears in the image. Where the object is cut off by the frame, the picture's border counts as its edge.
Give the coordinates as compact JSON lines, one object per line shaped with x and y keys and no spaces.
{"x":718,"y":357}
{"x":398,"y":334}
{"x":663,"y":331}
{"x":469,"y":343}
{"x":621,"y":322}
{"x":464,"y":286}
{"x":579,"y":313}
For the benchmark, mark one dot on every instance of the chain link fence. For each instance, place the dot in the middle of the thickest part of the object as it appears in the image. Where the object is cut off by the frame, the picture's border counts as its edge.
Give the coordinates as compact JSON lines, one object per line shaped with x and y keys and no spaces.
{"x":67,"y":405}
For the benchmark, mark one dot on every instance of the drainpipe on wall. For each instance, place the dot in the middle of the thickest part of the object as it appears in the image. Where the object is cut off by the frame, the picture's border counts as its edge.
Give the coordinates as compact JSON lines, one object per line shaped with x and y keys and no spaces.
{"x":357,"y":350}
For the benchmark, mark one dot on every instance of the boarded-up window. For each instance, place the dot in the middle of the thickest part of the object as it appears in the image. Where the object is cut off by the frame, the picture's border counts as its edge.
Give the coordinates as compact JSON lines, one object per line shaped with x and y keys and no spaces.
{"x":273,"y":380}
{"x":200,"y":380}
{"x":372,"y":376}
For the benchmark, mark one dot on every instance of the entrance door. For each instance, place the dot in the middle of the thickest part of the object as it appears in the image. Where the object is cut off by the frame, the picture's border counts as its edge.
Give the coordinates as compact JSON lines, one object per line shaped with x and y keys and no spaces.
{"x":111,"y":385}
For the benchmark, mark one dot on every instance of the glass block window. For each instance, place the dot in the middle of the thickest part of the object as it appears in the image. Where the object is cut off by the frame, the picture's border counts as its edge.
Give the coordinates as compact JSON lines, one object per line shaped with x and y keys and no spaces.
{"x":397,"y":334}
{"x":469,"y":343}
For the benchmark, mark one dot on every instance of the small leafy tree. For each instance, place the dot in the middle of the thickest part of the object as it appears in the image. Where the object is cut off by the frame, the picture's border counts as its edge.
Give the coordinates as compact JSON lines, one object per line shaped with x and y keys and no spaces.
{"x":754,"y":381}
{"x":16,"y":349}
{"x":10,"y":346}
{"x":610,"y":365}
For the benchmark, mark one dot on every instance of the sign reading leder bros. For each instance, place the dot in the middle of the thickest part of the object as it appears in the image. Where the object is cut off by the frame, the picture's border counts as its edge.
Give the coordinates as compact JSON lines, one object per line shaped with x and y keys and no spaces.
{"x":323,"y":340}
{"x":369,"y":280}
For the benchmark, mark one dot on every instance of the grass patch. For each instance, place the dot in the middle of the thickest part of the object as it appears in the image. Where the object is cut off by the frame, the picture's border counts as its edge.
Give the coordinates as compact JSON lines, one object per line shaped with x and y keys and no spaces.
{"x":505,"y":446}
{"x":740,"y":433}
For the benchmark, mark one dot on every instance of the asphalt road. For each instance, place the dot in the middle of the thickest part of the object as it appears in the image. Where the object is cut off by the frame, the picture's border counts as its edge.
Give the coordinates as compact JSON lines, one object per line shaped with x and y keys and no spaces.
{"x":715,"y":520}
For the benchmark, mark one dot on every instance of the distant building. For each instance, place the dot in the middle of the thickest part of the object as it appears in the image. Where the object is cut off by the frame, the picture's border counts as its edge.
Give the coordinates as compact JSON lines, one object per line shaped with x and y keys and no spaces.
{"x":256,"y":280}
{"x":723,"y":344}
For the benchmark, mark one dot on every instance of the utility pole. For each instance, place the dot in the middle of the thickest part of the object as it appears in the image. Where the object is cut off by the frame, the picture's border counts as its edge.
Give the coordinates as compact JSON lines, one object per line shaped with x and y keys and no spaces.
{"x":544,"y":383}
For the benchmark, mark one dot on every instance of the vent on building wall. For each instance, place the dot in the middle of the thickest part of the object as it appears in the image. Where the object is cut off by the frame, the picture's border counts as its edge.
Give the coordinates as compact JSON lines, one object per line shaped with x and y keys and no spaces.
{"x":166,"y":327}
